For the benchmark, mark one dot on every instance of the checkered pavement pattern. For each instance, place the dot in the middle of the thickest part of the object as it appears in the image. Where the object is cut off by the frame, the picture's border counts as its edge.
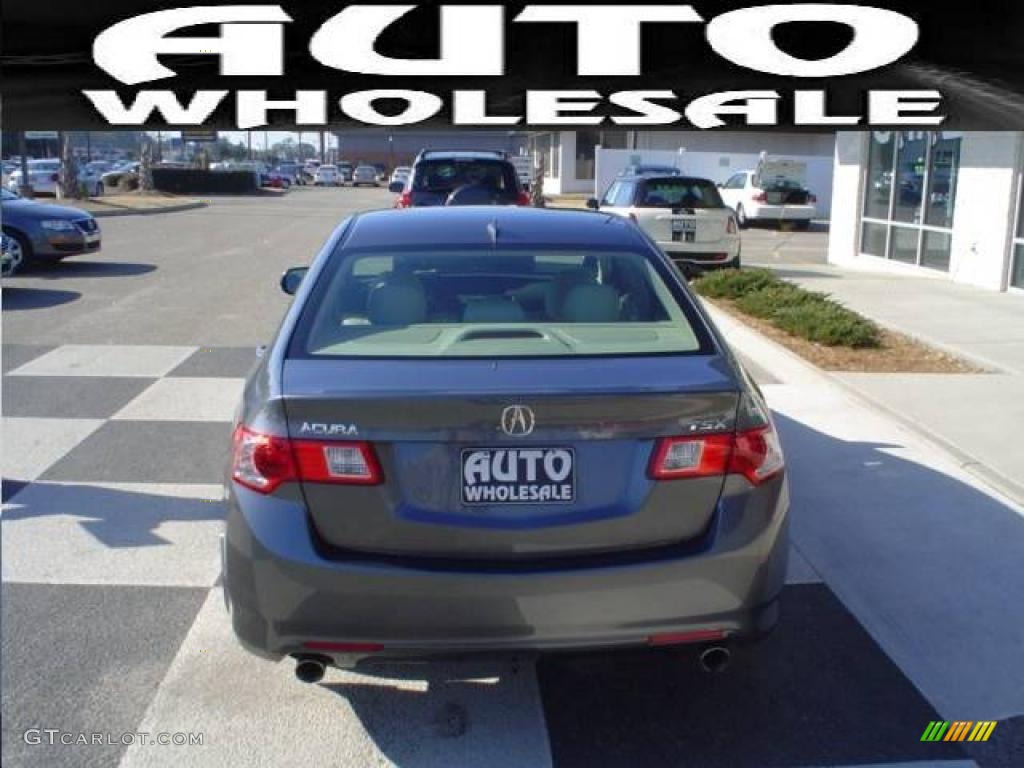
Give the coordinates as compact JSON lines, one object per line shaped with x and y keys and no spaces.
{"x":114,"y":619}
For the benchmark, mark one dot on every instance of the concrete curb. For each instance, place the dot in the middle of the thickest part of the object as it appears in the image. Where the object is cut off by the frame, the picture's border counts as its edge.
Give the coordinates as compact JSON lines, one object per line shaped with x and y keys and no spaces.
{"x":148,"y":211}
{"x":742,"y":337}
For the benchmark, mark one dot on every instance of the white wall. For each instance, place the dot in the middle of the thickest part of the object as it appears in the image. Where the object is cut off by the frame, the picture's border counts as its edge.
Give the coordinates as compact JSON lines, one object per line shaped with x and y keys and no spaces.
{"x":984,"y":213}
{"x":851,"y":158}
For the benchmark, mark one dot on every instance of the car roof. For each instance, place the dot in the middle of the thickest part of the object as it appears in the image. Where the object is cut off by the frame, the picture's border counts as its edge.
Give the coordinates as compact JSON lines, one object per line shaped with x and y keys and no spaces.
{"x":473,"y":225}
{"x":665,"y":177}
{"x":462,"y":154}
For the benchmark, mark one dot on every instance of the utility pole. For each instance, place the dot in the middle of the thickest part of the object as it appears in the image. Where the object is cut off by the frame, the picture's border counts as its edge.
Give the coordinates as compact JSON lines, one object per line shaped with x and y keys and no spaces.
{"x":248,"y":136}
{"x":323,"y":154}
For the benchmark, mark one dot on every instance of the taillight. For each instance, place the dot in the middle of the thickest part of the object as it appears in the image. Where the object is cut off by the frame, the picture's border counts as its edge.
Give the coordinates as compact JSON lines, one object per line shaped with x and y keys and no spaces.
{"x":331,"y":462}
{"x":730,"y":227}
{"x":263,"y":462}
{"x":691,"y":456}
{"x":757,"y":455}
{"x":523,"y":198}
{"x":754,"y":453}
{"x":760,"y":197}
{"x":404,"y":200}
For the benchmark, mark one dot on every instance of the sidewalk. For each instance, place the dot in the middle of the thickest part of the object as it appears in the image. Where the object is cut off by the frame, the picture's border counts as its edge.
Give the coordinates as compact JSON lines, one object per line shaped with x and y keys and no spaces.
{"x":972,"y":415}
{"x":129,"y":204}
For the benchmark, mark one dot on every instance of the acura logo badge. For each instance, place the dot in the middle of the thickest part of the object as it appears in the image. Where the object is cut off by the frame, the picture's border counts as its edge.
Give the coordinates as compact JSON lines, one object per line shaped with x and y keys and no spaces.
{"x":517,"y":420}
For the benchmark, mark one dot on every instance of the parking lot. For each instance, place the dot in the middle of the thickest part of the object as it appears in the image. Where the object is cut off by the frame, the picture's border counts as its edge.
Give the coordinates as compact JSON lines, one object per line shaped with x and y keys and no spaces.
{"x":121,"y":374}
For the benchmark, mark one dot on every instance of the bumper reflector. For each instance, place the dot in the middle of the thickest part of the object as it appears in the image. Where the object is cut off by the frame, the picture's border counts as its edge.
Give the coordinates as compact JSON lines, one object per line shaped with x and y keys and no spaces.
{"x":679,"y":638}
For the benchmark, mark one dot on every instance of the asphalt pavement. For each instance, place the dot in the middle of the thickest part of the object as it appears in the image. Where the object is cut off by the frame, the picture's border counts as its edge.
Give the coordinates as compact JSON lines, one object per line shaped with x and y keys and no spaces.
{"x":121,"y":372}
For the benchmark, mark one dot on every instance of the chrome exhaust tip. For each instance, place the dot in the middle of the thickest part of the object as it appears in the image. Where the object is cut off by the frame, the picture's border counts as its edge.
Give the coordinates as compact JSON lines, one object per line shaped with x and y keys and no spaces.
{"x":715,"y":659}
{"x":310,"y":669}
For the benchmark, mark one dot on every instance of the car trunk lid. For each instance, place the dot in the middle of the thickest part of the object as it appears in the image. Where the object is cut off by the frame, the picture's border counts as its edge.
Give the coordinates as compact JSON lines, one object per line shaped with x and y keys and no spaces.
{"x":440,"y":430}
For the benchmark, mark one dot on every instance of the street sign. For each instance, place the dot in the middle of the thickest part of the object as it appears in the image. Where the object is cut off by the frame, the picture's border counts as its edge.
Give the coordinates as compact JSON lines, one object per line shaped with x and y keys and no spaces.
{"x":40,"y":134}
{"x":198,"y":135}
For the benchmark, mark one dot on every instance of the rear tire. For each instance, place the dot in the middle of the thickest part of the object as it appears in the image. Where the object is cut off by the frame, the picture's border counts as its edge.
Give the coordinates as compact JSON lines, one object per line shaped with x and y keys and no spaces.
{"x":803,"y":225}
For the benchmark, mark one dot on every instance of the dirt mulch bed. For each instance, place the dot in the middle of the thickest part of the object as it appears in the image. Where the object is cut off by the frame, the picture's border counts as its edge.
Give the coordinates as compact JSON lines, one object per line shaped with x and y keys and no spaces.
{"x":898,"y":353}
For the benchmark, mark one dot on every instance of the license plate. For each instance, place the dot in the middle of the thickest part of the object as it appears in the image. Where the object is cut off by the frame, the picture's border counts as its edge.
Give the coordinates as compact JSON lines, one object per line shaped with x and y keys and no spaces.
{"x":518,"y":476}
{"x":684,"y":225}
{"x":92,"y":237}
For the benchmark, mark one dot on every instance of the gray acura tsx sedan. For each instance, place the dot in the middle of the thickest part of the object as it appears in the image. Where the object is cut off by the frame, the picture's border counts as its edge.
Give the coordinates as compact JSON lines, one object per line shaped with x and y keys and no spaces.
{"x":499,"y":429}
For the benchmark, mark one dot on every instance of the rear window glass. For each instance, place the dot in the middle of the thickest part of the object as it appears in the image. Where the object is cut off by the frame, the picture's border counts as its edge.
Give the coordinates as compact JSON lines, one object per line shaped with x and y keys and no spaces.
{"x":502,"y":303}
{"x":678,"y":193}
{"x":446,"y":175}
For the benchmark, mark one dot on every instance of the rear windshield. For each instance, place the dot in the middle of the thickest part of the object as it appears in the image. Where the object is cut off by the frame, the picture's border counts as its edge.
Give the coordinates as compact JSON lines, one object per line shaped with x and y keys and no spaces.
{"x":678,"y":192}
{"x":446,"y":175}
{"x":516,"y":302}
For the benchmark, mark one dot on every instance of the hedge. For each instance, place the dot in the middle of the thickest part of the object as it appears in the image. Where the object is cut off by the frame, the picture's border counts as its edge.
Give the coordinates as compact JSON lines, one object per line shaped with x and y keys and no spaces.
{"x":193,"y":181}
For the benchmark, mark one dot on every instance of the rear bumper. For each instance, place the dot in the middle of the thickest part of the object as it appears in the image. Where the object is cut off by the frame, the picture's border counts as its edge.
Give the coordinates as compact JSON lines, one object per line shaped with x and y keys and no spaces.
{"x":284,"y":593}
{"x":781,"y":212}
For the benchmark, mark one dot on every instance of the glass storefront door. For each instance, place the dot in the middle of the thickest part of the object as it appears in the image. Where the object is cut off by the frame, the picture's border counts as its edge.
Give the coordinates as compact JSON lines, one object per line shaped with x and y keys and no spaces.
{"x":910,"y":196}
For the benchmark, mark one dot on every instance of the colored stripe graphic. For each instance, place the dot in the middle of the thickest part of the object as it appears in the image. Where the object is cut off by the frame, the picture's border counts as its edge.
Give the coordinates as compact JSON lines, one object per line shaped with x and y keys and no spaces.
{"x":958,"y":730}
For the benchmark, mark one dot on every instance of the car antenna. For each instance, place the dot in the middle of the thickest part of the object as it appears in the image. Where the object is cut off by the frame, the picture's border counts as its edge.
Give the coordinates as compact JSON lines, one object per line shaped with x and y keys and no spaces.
{"x":492,"y":230}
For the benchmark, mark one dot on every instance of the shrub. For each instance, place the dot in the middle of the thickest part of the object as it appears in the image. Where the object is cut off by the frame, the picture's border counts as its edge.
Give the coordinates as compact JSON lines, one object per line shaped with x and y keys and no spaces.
{"x":790,"y":308}
{"x":733,"y":283}
{"x":829,"y":324}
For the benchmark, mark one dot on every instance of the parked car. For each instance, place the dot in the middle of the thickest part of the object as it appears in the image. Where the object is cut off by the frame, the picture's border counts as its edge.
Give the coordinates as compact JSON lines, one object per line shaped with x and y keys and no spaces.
{"x":460,"y":177}
{"x":382,"y":172}
{"x":327,"y":176}
{"x":43,"y":176}
{"x":291,"y":173}
{"x":684,"y":215}
{"x":45,"y":232}
{"x":777,"y":200}
{"x":90,"y":175}
{"x":645,"y":169}
{"x":364,"y":174}
{"x":118,"y":171}
{"x":504,"y":429}
{"x":346,"y":170}
{"x":12,"y":256}
{"x":400,"y":175}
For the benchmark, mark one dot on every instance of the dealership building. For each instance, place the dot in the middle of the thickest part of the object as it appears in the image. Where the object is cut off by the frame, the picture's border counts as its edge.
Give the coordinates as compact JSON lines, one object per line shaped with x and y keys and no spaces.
{"x":948,"y":204}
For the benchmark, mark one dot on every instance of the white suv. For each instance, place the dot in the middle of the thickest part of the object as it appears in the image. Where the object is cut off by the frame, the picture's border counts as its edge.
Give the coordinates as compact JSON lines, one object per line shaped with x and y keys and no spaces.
{"x":684,"y":215}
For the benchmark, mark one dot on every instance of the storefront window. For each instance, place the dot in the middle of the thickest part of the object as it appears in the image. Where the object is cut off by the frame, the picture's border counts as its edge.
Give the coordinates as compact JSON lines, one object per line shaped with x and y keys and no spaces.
{"x":942,"y":178}
{"x":879,"y":182}
{"x":873,"y":239}
{"x":935,"y":250}
{"x":903,"y":244}
{"x":910,"y":196}
{"x":911,"y":160}
{"x":586,"y":142}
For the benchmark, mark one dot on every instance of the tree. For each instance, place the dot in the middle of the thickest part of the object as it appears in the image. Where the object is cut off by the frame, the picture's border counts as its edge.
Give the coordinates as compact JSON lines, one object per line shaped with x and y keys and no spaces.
{"x":67,"y":182}
{"x":537,"y":187}
{"x":146,"y":167}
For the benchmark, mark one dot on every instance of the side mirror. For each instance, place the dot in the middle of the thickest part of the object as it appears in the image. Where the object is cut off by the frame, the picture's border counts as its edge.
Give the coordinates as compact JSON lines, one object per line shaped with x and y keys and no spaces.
{"x":396,"y":187}
{"x":593,"y":203}
{"x":292,"y":279}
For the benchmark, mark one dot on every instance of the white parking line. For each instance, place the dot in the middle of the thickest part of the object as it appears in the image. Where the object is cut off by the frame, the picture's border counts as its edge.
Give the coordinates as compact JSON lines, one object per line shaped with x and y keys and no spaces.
{"x":254,"y":712}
